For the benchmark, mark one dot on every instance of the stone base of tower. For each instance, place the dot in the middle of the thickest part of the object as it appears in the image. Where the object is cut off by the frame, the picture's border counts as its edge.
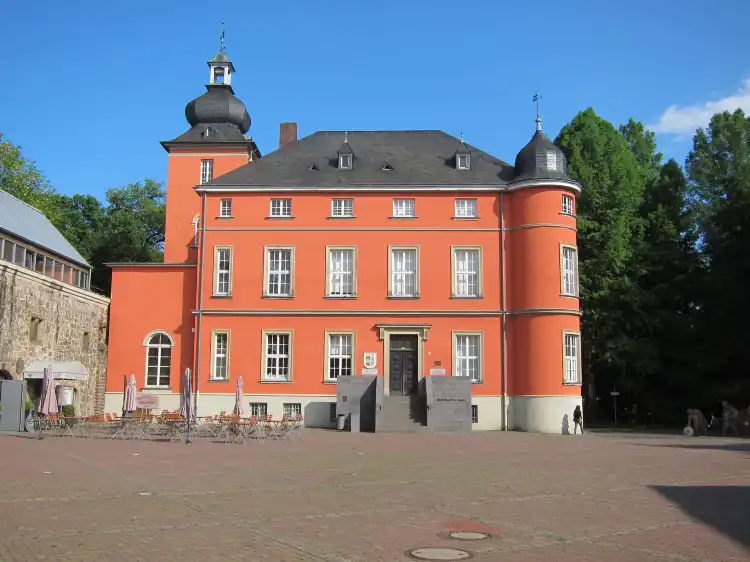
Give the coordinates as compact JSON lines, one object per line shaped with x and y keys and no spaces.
{"x":543,"y":414}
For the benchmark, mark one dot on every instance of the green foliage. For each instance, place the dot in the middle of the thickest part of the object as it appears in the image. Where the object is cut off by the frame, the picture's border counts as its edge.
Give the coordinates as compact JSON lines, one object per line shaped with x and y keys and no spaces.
{"x":68,"y":410}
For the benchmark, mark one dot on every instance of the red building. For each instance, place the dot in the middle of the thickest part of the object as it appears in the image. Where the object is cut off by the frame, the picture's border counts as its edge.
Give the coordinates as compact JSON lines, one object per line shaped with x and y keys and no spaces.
{"x":415,"y":246}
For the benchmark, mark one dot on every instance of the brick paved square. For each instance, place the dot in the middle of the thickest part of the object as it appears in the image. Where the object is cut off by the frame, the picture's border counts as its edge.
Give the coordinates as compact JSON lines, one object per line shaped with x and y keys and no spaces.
{"x":330,"y":496}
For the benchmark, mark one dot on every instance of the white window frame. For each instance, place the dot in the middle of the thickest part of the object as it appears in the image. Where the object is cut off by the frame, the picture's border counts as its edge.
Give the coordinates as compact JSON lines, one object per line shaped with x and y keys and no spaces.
{"x":257,"y":407}
{"x":345,"y":161}
{"x":392,"y":272}
{"x":568,"y":205}
{"x":225,"y":208}
{"x":160,"y":376}
{"x":466,"y":164}
{"x":551,"y":160}
{"x":207,"y":170}
{"x":267,"y":271}
{"x":571,"y":341}
{"x":282,"y":209}
{"x":265,"y":355}
{"x":568,"y":277}
{"x":457,"y":270}
{"x":329,"y":335}
{"x":465,"y":209}
{"x":458,"y":353}
{"x":345,"y":208}
{"x":220,"y":271}
{"x":404,"y":209}
{"x":287,"y":408}
{"x":215,"y":355}
{"x":332,"y":274}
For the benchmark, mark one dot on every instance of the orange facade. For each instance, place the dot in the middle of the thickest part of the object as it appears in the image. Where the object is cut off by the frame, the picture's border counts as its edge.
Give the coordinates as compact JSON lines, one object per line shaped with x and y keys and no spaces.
{"x":250,"y":290}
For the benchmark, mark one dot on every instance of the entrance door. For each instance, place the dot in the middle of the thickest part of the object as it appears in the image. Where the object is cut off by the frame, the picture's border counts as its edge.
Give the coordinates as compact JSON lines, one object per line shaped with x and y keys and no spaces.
{"x":403,"y":365}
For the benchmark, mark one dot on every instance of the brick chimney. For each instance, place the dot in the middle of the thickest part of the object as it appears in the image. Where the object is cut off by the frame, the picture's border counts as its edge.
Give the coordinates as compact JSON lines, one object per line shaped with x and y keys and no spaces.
{"x":287,"y":134}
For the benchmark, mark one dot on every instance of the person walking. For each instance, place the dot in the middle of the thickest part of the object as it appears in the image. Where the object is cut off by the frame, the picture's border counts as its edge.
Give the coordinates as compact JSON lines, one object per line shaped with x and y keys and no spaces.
{"x":577,"y":420}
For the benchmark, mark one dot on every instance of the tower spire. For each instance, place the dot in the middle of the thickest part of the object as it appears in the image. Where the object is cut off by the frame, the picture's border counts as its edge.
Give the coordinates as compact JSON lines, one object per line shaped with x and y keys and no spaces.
{"x":221,"y":49}
{"x":536,"y":99}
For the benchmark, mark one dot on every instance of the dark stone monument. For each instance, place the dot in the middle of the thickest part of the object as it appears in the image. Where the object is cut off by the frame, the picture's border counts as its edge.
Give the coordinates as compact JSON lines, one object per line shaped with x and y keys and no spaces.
{"x":360,"y":399}
{"x":448,"y":401}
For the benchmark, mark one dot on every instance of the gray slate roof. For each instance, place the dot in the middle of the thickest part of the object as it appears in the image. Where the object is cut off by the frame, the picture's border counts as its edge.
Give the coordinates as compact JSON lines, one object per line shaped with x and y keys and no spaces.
{"x":27,"y":223}
{"x":417,"y":158}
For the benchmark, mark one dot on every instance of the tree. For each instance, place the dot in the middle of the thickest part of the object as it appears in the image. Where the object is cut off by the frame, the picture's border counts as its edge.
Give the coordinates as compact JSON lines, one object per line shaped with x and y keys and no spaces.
{"x":719,"y":174}
{"x":601,"y":161}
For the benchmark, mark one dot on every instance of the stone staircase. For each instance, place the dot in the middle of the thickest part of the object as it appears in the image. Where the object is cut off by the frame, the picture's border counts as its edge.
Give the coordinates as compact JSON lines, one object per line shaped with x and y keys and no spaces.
{"x":401,"y":413}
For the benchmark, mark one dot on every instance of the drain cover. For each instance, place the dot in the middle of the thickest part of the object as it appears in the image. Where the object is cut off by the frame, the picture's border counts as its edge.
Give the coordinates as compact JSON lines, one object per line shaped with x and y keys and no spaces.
{"x":434,"y":553}
{"x":468,"y":535}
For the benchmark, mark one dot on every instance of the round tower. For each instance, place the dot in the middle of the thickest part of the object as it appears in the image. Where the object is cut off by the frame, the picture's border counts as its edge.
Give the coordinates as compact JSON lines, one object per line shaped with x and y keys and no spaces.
{"x":543,"y":322}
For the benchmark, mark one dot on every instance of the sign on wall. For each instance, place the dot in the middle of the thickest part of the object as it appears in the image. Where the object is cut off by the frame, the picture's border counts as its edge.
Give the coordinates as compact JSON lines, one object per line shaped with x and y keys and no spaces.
{"x":147,"y":401}
{"x":370,"y":360}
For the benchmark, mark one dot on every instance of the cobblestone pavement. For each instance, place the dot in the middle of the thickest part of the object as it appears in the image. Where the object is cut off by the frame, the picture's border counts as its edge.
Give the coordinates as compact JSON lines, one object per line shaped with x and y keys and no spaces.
{"x":330,"y":496}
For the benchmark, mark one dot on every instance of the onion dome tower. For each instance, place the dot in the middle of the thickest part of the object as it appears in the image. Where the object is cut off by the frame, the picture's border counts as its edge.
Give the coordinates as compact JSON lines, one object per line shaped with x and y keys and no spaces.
{"x":540,"y":159}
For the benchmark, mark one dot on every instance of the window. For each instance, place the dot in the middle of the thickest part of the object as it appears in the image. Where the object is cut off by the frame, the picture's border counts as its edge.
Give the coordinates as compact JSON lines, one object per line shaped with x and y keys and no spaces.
{"x":404,"y":277}
{"x":158,"y":359}
{"x":223,"y":271}
{"x":49,"y":267}
{"x":567,"y":205}
{"x":39,"y":265}
{"x":463,"y":162}
{"x":403,"y":208}
{"x":551,"y":160}
{"x":281,"y":207}
{"x":466,"y":208}
{"x":207,"y":171}
{"x":342,"y":208}
{"x":474,"y":413}
{"x":345,"y":161}
{"x":292,"y":411}
{"x":35,"y":329}
{"x":86,"y":342}
{"x":225,"y":209}
{"x":340,"y":356}
{"x":569,"y":266}
{"x":29,"y":262}
{"x":20,"y":257}
{"x":468,"y":356}
{"x":220,"y":356}
{"x":58,"y":269}
{"x":332,"y":412}
{"x":341,"y":272}
{"x":8,"y":250}
{"x":258,"y":409}
{"x":572,"y":363}
{"x":467,"y":272}
{"x":277,"y":356}
{"x":279,"y":272}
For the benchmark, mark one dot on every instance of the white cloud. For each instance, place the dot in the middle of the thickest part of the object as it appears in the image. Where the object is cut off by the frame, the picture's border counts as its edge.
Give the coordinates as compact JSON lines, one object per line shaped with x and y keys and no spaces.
{"x":683,"y":121}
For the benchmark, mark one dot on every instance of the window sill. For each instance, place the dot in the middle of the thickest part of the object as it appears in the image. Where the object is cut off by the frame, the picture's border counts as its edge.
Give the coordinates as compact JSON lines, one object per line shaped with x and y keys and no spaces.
{"x":565,"y":296}
{"x":330,"y":382}
{"x":223,"y":218}
{"x":403,"y":218}
{"x":279,"y":297}
{"x":221,"y":296}
{"x":156,"y":388}
{"x":465,"y":218}
{"x":404,"y":298}
{"x":467,"y":298}
{"x":341,"y":297}
{"x":275,"y":382}
{"x":279,"y":218}
{"x":218,"y":380}
{"x":571,"y":215}
{"x":332,"y":218}
{"x":572,"y":383}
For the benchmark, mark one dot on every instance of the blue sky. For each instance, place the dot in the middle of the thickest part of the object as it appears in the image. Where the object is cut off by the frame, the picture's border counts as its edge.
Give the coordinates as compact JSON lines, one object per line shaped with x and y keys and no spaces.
{"x":91,"y":87}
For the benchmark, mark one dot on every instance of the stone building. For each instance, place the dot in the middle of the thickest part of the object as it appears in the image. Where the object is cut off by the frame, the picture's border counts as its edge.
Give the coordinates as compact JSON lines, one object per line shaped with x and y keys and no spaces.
{"x":48,"y":314}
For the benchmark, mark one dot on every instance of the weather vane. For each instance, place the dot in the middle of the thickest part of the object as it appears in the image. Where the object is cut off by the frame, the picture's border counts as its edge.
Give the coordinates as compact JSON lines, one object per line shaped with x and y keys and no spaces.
{"x":536,"y":99}
{"x":222,"y":36}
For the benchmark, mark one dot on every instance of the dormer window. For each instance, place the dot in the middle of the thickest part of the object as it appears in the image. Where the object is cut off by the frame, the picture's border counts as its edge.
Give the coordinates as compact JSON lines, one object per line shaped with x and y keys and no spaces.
{"x":345,"y":161}
{"x":551,"y":160}
{"x":463,"y":162}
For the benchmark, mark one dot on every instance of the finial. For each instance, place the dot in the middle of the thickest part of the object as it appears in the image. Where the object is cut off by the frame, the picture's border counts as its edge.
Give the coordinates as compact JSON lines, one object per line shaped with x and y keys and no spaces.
{"x":222,"y":36}
{"x":346,"y":136}
{"x":462,"y":138}
{"x":536,"y":99}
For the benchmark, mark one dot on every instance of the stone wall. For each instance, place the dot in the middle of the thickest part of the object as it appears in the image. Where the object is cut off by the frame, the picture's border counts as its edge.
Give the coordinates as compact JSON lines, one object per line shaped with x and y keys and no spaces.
{"x":44,"y":319}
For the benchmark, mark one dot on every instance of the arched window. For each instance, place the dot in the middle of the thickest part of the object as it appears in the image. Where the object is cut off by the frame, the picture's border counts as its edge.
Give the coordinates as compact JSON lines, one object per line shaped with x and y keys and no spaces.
{"x":158,"y":358}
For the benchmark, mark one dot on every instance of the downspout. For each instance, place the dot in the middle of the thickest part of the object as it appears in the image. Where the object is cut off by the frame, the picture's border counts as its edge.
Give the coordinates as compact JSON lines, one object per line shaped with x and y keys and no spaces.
{"x":504,"y":317}
{"x":197,"y":369}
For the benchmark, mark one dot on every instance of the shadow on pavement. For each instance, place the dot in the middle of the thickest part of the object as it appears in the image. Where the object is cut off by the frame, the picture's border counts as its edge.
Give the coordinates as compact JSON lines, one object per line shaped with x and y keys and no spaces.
{"x":725,"y":508}
{"x":708,"y":446}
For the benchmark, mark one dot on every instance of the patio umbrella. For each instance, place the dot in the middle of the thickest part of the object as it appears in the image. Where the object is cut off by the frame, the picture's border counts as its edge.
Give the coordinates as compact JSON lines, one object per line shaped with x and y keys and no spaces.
{"x":128,"y":399}
{"x":187,"y":397}
{"x":48,"y":402}
{"x":238,"y":408}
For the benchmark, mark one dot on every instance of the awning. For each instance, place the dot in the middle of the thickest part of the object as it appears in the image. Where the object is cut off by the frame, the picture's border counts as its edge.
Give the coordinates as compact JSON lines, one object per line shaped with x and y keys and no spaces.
{"x":62,"y":370}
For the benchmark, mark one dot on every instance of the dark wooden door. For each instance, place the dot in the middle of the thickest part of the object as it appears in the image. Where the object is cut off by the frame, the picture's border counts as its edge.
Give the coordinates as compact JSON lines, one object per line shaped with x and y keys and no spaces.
{"x":403,"y":365}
